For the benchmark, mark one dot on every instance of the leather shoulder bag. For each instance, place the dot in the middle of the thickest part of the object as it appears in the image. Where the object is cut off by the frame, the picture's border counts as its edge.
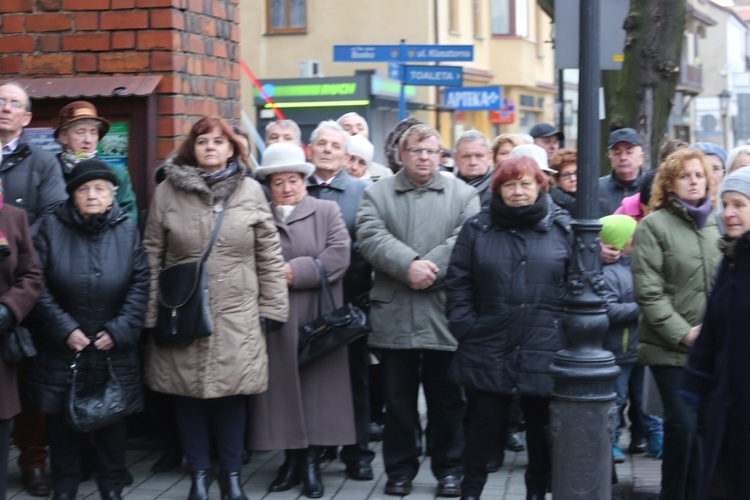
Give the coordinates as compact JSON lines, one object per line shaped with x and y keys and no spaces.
{"x":184,"y":314}
{"x":333,"y":330}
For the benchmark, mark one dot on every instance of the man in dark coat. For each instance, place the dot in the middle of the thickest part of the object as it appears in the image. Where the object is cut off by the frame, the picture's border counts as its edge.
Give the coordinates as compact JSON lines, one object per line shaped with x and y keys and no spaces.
{"x":626,"y":156}
{"x":32,"y":181}
{"x":473,"y":158}
{"x":328,"y":152}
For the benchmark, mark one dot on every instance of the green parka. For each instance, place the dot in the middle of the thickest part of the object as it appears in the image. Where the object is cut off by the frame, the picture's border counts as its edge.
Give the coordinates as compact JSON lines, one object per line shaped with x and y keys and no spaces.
{"x":674,"y":264}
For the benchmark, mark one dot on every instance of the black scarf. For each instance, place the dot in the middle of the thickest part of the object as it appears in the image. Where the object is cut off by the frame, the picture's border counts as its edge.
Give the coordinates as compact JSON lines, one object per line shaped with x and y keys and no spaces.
{"x":525,"y":216}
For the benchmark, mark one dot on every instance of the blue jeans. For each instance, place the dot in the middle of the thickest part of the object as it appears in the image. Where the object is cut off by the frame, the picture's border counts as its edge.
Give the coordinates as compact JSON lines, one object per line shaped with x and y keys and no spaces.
{"x":630,"y":383}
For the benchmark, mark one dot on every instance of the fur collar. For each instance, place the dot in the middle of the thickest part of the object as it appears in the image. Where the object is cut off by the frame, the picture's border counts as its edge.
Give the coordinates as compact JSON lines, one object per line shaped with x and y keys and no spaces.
{"x":187,"y":178}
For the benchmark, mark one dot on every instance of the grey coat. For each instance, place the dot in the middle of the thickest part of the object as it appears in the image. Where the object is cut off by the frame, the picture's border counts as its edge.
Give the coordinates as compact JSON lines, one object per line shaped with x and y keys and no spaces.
{"x":612,"y":190}
{"x":311,"y":406}
{"x":32,"y":180}
{"x":481,"y":184}
{"x":397,"y":223}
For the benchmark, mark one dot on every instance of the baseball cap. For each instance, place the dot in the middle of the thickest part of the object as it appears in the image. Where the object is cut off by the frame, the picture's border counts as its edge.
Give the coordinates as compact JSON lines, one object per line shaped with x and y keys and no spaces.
{"x":545,"y":130}
{"x":624,"y":135}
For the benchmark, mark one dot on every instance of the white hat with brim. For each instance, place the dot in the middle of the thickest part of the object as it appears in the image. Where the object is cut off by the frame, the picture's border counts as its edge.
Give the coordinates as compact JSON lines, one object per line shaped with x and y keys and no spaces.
{"x":361,"y":147}
{"x":537,"y":153}
{"x":284,"y":157}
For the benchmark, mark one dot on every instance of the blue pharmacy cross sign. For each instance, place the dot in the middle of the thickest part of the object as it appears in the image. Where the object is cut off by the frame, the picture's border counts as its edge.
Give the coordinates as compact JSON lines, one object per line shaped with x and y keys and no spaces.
{"x":474,"y":98}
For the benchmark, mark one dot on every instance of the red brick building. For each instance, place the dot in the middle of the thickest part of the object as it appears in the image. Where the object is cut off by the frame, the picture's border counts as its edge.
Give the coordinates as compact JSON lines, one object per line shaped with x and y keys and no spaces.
{"x":154,"y":65}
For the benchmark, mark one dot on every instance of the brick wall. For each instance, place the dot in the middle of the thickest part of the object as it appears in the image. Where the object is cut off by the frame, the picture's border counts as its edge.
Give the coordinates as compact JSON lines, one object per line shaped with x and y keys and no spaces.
{"x":192,"y":43}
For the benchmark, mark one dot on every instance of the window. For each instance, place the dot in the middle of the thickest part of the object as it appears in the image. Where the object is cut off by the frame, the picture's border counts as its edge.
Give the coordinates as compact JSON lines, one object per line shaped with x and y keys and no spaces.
{"x":453,"y":16}
{"x":477,"y":18}
{"x":286,"y":16}
{"x":510,"y":17}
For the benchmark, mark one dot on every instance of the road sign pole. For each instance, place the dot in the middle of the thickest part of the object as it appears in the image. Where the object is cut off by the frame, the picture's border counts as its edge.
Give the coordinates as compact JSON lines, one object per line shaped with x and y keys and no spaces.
{"x":402,"y":93}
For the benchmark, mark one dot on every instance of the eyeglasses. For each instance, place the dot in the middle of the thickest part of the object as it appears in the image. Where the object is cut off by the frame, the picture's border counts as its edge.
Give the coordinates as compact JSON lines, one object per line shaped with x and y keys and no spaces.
{"x":418,"y":151}
{"x":13,"y":104}
{"x":567,"y":175}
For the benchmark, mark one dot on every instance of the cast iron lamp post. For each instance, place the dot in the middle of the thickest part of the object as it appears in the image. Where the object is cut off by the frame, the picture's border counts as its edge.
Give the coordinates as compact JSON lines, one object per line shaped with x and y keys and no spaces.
{"x":724,"y":97}
{"x":582,"y":409}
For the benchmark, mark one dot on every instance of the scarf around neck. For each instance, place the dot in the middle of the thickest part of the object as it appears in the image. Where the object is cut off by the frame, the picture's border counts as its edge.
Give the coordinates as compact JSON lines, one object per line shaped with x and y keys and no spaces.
{"x":70,"y":159}
{"x":511,"y":217}
{"x":214,"y":177}
{"x":700,"y":213}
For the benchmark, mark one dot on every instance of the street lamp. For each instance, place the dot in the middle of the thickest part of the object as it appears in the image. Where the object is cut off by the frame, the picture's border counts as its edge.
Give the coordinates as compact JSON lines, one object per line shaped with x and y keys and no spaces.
{"x":724,"y":97}
{"x":581,"y":413}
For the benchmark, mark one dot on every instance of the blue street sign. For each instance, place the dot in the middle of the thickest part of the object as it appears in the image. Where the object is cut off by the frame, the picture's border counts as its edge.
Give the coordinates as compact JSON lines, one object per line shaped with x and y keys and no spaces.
{"x":366,"y":53}
{"x":474,"y":98}
{"x":394,"y":71}
{"x":437,"y":53}
{"x":412,"y":53}
{"x":448,"y":76}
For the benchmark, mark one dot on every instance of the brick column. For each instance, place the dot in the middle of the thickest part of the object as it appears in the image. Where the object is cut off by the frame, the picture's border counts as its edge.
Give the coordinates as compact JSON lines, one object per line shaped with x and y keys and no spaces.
{"x":193,"y":44}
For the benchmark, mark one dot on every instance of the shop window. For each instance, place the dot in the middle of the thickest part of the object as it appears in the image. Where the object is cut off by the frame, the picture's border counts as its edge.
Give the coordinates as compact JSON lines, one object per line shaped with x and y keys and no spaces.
{"x":510,"y":17}
{"x":286,"y":16}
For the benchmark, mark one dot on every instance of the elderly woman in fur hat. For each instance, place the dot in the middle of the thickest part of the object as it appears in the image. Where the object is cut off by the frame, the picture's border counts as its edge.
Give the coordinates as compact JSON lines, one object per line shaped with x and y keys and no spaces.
{"x":246,"y":289}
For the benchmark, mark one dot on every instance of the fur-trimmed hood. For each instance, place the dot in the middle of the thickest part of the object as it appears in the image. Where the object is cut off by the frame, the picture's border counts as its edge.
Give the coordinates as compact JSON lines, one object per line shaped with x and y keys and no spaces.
{"x":187,"y":178}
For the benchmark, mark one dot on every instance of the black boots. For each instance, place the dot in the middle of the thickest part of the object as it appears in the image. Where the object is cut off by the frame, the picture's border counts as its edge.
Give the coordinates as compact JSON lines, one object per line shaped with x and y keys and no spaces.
{"x":231,"y":486}
{"x":201,"y":481}
{"x":312,"y":484}
{"x":290,"y":472}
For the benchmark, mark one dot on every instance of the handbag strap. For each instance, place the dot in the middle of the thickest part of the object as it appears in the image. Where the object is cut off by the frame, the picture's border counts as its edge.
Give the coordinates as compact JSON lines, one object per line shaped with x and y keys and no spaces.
{"x":216,"y":231}
{"x":74,"y":371}
{"x":325,"y":285}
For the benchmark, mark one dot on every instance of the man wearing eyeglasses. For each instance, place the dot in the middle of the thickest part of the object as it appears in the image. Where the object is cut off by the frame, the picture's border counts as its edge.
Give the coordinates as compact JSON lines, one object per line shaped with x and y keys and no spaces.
{"x":406,"y":227}
{"x":31,"y":180}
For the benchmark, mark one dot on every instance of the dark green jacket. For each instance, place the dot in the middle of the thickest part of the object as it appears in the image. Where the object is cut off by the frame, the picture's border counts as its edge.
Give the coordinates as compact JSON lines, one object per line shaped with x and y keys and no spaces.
{"x":674,"y":264}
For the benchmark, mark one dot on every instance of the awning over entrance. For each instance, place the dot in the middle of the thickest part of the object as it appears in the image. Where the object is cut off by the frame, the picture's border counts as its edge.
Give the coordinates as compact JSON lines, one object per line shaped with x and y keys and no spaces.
{"x":89,"y":86}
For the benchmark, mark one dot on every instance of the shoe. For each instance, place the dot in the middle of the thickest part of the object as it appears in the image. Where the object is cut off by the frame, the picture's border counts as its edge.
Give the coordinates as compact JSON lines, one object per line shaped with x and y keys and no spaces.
{"x":497,"y":458}
{"x":359,"y":471}
{"x":655,"y":444}
{"x":312,"y":484}
{"x":111,"y":495}
{"x":449,"y":486}
{"x":376,"y":431}
{"x":201,"y":482}
{"x":290,"y":473}
{"x":231,"y":486}
{"x":617,"y":455}
{"x":36,"y":482}
{"x":327,"y":453}
{"x":398,"y":486}
{"x":514,"y":442}
{"x":637,"y":445}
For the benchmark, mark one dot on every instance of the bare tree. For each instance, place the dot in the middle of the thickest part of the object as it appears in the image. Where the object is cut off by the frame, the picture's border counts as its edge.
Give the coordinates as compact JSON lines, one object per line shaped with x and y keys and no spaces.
{"x":641,"y":94}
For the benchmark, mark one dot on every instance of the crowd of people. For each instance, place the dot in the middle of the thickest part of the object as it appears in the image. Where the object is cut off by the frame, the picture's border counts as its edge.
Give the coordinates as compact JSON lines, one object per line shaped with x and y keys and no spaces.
{"x":458,"y":257}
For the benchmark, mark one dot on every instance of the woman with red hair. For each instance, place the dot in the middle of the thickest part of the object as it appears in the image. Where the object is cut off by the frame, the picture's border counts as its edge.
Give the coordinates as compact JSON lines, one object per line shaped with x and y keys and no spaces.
{"x":504,"y":294}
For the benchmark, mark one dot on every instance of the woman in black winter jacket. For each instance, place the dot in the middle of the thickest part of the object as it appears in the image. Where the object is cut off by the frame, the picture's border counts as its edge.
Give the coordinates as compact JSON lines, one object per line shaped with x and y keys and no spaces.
{"x":504,"y":291}
{"x":97,"y":280}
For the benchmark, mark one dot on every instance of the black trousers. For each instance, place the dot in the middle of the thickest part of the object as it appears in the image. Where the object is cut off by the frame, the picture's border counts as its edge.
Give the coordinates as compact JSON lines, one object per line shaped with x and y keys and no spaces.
{"x":359,"y":361}
{"x":403,"y":369}
{"x":682,"y":455}
{"x":110,"y":446}
{"x":484,"y":411}
{"x":221,"y":420}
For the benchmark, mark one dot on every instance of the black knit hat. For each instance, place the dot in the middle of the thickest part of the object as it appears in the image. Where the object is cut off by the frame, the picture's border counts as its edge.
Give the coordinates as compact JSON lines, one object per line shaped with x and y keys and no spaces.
{"x":88,"y":170}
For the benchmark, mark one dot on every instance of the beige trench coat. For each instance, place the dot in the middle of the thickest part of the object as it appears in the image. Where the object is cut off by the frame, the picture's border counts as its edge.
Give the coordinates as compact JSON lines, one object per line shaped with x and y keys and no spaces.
{"x":245,"y":282}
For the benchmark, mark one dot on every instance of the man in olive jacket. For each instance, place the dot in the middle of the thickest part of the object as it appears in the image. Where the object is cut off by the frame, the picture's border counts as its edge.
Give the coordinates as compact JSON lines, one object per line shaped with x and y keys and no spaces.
{"x":406,"y":227}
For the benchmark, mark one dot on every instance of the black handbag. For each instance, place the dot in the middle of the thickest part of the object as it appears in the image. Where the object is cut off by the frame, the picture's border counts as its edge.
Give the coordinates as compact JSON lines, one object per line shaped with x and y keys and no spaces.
{"x":332,"y":330}
{"x":17,"y":345}
{"x":91,"y":412}
{"x":184,"y":314}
